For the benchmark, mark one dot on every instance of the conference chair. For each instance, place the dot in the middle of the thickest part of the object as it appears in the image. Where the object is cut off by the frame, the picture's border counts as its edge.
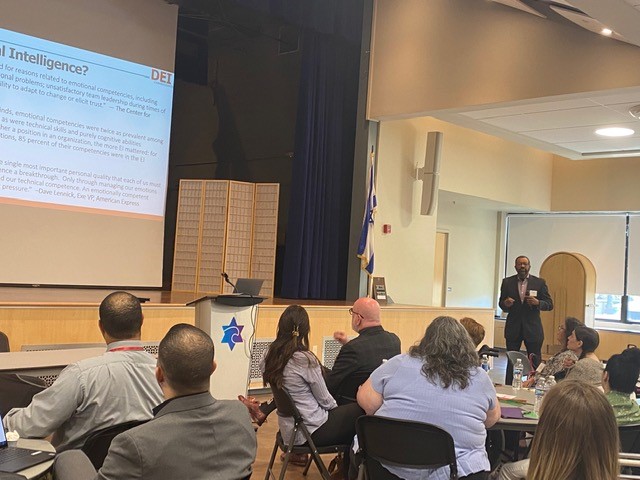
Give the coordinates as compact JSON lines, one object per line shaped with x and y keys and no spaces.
{"x":4,"y":342}
{"x":629,"y":438}
{"x":526,"y":363}
{"x":629,"y":447}
{"x":286,"y":407}
{"x":402,"y":443}
{"x":18,"y":390}
{"x":97,"y":444}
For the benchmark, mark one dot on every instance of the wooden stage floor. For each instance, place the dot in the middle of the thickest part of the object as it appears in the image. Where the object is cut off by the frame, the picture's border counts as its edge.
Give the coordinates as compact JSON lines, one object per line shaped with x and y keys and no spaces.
{"x":37,"y":296}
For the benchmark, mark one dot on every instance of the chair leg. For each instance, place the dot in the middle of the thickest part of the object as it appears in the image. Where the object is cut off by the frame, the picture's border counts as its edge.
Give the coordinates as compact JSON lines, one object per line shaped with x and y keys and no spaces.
{"x":269,"y":475}
{"x":306,"y":467}
{"x":285,"y":464}
{"x":316,"y":456}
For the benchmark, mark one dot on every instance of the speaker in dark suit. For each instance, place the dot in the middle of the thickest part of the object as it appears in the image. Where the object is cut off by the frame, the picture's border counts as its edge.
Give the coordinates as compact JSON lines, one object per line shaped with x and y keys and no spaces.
{"x":523,"y":297}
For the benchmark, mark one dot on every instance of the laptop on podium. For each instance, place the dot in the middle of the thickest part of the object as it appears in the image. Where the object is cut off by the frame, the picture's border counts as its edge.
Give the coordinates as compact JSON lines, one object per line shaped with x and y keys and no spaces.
{"x":15,"y":459}
{"x":248,"y":286}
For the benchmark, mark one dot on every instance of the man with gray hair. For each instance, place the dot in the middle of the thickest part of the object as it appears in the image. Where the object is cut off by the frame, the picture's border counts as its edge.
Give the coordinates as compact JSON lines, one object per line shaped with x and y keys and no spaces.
{"x":116,"y":387}
{"x":192,"y":435}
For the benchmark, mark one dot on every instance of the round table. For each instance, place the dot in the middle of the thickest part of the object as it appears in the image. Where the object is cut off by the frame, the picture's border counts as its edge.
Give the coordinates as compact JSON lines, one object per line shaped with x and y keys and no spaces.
{"x":524,"y":399}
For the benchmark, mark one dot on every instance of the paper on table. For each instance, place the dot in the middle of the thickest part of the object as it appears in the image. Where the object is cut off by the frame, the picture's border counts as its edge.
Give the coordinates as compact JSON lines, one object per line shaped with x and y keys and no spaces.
{"x":504,"y":396}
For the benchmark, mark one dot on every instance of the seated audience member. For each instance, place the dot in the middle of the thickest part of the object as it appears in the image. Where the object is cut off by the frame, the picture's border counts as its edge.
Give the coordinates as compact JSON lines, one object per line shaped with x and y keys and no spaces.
{"x":474,"y":329}
{"x":619,"y":382}
{"x":439,"y":382}
{"x":556,"y":365}
{"x":583,"y":342}
{"x":89,"y":395}
{"x":577,"y":435}
{"x":192,"y":435}
{"x":357,"y":358}
{"x":363,"y":354}
{"x":290,"y":365}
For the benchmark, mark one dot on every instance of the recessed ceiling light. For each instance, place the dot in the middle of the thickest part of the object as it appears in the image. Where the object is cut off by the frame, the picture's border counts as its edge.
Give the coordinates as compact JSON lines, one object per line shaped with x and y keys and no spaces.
{"x":606,"y":31}
{"x":615,"y":132}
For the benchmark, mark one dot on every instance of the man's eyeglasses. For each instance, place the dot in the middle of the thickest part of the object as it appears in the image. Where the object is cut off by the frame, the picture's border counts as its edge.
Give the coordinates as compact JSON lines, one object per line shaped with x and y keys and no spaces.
{"x":352,"y":312}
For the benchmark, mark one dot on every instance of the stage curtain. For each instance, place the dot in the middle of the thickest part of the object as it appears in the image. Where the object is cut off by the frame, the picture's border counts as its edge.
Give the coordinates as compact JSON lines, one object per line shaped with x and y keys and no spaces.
{"x":316,"y":249}
{"x":317,"y":238}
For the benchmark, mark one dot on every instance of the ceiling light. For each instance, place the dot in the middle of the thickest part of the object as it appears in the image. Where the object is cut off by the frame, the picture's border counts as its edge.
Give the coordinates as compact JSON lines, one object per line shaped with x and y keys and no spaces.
{"x":615,"y":132}
{"x":606,"y":31}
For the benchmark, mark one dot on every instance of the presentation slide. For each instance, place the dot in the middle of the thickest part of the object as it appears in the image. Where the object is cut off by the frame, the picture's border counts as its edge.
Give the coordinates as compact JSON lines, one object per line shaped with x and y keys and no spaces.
{"x":86,"y":92}
{"x":82,"y":130}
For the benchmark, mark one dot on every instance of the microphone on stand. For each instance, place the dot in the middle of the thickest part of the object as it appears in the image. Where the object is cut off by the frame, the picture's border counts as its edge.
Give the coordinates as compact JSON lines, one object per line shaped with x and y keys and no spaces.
{"x":226,"y":279}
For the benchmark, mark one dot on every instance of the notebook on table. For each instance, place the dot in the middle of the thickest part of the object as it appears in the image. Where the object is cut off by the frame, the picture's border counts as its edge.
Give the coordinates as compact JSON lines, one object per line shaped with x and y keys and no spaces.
{"x":15,"y":459}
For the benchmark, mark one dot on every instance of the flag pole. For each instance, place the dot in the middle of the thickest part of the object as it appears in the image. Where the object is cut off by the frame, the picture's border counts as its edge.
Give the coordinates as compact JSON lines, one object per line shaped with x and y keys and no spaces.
{"x":365,"y":245}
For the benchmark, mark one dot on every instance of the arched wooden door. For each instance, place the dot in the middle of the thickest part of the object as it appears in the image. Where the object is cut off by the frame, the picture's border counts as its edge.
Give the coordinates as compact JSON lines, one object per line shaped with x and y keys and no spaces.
{"x":571,"y":278}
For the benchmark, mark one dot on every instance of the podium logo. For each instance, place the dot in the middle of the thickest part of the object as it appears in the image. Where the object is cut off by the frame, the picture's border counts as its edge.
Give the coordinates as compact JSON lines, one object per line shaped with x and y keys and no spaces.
{"x":232,"y":333}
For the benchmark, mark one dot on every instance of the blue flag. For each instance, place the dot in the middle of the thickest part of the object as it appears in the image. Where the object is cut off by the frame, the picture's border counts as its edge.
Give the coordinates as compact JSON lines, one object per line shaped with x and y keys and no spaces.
{"x":365,"y":246}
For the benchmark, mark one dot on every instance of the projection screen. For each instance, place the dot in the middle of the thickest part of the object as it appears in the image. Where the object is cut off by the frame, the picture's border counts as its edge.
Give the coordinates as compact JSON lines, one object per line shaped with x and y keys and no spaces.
{"x":86,"y":92}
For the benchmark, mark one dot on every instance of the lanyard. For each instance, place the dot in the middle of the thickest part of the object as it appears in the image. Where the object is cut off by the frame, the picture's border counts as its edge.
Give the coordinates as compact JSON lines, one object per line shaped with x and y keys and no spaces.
{"x":125,"y":349}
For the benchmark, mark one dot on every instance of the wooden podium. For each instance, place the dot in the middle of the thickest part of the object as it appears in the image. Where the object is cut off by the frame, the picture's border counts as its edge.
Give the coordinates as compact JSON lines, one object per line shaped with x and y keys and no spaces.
{"x":230,"y":320}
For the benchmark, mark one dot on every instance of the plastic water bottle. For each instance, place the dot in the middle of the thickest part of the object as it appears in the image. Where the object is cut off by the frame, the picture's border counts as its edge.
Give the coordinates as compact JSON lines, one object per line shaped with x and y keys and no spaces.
{"x":551,"y":381}
{"x":485,"y":363}
{"x":540,"y":391}
{"x":517,"y":375}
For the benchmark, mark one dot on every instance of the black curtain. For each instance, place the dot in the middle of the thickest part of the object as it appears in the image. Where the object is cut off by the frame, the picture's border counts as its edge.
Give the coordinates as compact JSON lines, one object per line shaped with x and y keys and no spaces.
{"x":317,"y":242}
{"x":317,"y":239}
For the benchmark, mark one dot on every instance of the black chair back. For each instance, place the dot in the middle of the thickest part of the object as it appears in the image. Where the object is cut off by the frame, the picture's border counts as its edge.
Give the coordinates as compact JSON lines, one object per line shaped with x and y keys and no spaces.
{"x":403,"y":443}
{"x":97,"y":444}
{"x":18,"y":390}
{"x":4,"y":342}
{"x":285,"y":404}
{"x":629,"y":438}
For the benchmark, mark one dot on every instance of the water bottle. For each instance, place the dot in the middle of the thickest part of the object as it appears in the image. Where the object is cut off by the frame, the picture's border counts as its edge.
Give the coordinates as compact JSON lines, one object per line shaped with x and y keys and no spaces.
{"x":485,"y":363}
{"x":551,"y":381}
{"x":517,"y":375}
{"x":540,"y":391}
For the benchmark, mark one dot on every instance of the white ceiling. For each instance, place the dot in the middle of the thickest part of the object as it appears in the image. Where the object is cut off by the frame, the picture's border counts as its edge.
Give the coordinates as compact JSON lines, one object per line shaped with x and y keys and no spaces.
{"x":563,"y":125}
{"x":566,"y":124}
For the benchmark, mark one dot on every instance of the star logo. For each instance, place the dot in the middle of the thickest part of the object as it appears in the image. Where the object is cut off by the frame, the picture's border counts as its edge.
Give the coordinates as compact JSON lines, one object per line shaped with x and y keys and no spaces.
{"x":232,"y":333}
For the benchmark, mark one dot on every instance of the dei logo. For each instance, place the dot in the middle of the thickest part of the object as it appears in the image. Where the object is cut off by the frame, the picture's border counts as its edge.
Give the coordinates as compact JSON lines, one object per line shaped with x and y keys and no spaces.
{"x":232,"y":333}
{"x":161,"y":76}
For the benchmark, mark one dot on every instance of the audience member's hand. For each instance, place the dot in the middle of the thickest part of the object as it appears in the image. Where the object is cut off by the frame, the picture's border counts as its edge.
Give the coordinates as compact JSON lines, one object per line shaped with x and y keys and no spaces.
{"x":532,"y":301}
{"x":341,"y":337}
{"x":568,"y":363}
{"x":508,"y":302}
{"x":529,"y":382}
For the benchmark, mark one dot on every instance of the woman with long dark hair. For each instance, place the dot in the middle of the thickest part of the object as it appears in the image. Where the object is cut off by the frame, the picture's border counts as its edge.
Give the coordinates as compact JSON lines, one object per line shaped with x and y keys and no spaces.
{"x":439,"y":382}
{"x":291,"y":366}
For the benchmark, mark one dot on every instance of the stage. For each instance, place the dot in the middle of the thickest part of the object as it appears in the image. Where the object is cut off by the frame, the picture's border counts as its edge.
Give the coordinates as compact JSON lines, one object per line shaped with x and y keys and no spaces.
{"x":45,"y":315}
